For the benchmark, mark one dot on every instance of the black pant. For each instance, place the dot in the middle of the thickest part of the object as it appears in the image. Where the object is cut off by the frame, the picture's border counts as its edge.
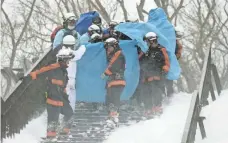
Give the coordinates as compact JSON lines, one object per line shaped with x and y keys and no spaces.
{"x":113,"y":97}
{"x":169,"y":87}
{"x":151,"y":93}
{"x":53,"y":115}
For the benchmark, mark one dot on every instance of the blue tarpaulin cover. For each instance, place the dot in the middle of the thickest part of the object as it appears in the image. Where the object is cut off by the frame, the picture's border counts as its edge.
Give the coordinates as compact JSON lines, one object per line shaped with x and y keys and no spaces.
{"x":138,"y":30}
{"x":158,"y":17}
{"x":91,"y":88}
{"x":89,"y":84}
{"x":85,"y":21}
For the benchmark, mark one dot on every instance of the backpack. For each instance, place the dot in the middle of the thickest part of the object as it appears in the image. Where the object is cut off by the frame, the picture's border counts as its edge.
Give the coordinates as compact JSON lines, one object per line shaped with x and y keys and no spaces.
{"x":54,"y":32}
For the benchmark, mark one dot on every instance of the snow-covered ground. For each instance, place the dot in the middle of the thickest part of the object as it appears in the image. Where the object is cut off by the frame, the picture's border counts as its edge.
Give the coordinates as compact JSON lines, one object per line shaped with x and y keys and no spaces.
{"x":166,"y":128}
{"x":216,"y":123}
{"x":32,"y":133}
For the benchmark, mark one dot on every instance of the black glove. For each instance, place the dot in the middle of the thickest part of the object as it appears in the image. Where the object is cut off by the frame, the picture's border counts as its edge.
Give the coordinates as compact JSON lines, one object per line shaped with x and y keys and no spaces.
{"x":25,"y":77}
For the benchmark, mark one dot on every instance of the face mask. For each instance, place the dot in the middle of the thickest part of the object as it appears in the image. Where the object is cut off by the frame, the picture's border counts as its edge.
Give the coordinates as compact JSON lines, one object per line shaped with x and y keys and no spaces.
{"x":154,"y":45}
{"x":70,"y":27}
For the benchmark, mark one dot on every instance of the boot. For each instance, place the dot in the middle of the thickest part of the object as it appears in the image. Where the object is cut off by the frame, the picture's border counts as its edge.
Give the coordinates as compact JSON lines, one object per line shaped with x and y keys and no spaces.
{"x":113,"y":119}
{"x":51,"y":130}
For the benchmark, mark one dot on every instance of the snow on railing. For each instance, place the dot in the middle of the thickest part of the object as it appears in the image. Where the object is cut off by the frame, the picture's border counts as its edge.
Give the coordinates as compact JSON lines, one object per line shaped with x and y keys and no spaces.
{"x":200,"y":99}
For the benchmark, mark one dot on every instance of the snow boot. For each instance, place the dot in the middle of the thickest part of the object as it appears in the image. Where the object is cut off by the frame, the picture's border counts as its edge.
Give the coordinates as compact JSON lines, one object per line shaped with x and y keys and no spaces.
{"x":113,"y":119}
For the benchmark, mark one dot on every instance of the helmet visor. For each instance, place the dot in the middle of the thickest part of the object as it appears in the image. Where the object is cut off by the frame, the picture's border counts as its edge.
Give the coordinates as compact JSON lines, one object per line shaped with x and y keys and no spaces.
{"x":97,"y":21}
{"x":71,"y":22}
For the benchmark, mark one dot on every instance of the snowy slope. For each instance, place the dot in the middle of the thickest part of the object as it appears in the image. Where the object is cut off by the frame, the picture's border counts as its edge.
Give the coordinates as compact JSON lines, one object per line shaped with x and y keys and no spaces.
{"x":216,"y":123}
{"x":32,"y":133}
{"x":168,"y":128}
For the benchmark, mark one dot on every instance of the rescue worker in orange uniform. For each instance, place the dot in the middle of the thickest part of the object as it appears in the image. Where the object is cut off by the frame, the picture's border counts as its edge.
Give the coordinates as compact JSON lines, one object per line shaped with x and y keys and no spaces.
{"x":115,"y":75}
{"x":56,"y":77}
{"x":154,"y":65}
{"x":178,"y":52}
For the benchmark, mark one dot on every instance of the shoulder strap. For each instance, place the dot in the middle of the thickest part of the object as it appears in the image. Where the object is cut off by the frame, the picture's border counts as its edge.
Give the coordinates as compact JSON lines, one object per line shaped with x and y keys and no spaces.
{"x":70,"y":32}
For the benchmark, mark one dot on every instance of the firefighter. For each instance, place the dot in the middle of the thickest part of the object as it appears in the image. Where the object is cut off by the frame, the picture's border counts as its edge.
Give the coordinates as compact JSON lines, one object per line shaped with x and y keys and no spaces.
{"x":154,"y":65}
{"x":178,"y":52}
{"x":115,"y":78}
{"x":55,"y":77}
{"x":110,"y":31}
{"x":68,"y":28}
{"x":85,"y":38}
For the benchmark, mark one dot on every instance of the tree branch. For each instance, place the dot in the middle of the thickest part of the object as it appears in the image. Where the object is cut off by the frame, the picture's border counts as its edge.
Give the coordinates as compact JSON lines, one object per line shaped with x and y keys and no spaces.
{"x":26,"y":23}
{"x":121,"y":2}
{"x":140,"y":9}
{"x":177,"y":10}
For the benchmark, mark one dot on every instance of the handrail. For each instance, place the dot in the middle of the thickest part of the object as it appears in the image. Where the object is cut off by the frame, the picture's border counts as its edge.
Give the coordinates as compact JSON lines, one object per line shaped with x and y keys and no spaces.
{"x":19,"y":82}
{"x":17,"y":99}
{"x":199,"y":99}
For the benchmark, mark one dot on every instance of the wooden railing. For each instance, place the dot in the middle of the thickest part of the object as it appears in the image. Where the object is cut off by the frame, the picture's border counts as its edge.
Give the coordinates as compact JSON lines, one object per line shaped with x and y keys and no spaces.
{"x":200,"y":99}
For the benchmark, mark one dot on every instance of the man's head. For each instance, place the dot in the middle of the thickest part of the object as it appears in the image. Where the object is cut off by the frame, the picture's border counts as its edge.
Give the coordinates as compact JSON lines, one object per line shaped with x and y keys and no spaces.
{"x":112,"y":25}
{"x":97,"y":21}
{"x":151,"y":39}
{"x":64,"y":56}
{"x":95,"y":38}
{"x":69,"y":42}
{"x":69,"y":21}
{"x":179,"y":32}
{"x":94,"y":29}
{"x":111,"y":44}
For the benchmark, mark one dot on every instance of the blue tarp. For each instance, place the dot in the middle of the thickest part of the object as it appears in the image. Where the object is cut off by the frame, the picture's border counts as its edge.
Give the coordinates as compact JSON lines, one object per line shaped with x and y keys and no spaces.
{"x":158,"y":18}
{"x":84,"y":39}
{"x":90,"y":86}
{"x":85,"y":21}
{"x":138,"y":30}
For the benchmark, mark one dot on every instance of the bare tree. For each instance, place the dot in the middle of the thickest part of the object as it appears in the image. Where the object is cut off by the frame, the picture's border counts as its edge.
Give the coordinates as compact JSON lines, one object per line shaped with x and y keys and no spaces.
{"x":16,"y":40}
{"x":205,"y":25}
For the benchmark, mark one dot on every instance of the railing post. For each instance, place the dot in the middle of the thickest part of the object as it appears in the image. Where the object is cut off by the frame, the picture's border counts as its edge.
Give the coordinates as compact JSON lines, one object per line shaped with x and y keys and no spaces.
{"x":201,"y":126}
{"x":216,"y":78}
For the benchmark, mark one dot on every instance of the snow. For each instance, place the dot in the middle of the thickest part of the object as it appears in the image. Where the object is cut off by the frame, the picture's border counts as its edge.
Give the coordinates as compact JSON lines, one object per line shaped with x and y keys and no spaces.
{"x":32,"y":133}
{"x":216,"y":125}
{"x":166,"y":128}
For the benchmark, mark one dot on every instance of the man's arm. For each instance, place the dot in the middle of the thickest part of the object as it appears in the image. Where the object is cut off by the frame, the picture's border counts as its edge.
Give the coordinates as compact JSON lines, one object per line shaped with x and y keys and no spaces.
{"x":44,"y":69}
{"x":166,"y":57}
{"x":79,"y":53}
{"x":58,"y":39}
{"x":179,"y":49}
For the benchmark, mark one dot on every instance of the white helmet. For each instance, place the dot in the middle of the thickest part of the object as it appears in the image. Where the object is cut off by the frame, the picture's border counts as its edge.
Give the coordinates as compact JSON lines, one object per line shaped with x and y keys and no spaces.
{"x":69,"y":16}
{"x":69,"y":40}
{"x":179,"y":32}
{"x":95,"y":37}
{"x":113,"y":24}
{"x":111,"y":40}
{"x":151,"y":36}
{"x":65,"y":54}
{"x":94,"y":28}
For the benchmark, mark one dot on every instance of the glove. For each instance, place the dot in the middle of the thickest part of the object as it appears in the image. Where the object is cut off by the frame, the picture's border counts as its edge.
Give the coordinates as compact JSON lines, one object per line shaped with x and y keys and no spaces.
{"x":25,"y":77}
{"x":165,"y":69}
{"x":178,"y":55}
{"x":71,"y":83}
{"x":104,"y":76}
